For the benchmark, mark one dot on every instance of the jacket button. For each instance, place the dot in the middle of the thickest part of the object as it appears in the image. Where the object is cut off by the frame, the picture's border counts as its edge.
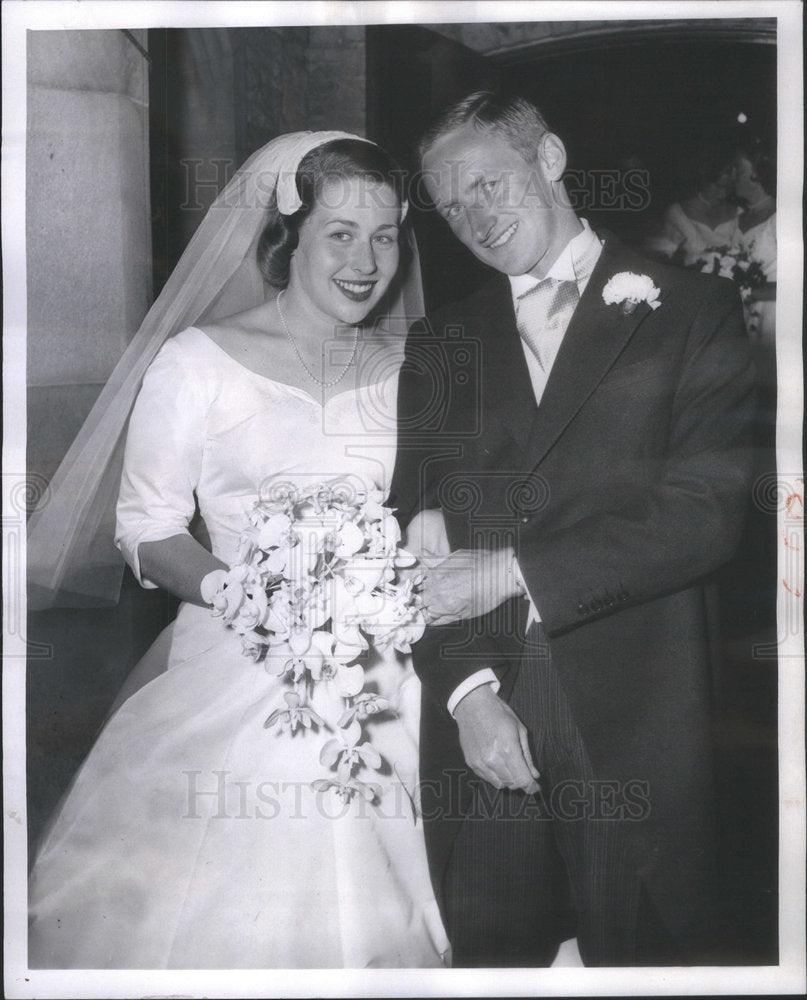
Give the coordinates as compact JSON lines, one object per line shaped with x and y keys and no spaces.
{"x":582,"y":609}
{"x":596,"y":606}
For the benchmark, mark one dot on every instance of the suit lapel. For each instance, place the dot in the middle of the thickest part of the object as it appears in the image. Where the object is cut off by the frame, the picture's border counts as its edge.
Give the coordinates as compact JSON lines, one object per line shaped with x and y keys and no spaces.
{"x":594,"y":339}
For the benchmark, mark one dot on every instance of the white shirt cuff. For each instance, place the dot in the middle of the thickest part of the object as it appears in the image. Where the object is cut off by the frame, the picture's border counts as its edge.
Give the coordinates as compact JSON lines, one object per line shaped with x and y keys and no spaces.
{"x":533,"y":615}
{"x":485,"y":676}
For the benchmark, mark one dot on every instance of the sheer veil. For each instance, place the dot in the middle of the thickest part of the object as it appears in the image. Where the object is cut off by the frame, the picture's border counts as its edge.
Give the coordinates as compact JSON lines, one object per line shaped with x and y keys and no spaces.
{"x":71,"y":557}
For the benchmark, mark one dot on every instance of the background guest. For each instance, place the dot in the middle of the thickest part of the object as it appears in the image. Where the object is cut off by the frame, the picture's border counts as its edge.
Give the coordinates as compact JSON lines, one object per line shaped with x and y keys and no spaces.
{"x":707,"y":217}
{"x":754,"y":174}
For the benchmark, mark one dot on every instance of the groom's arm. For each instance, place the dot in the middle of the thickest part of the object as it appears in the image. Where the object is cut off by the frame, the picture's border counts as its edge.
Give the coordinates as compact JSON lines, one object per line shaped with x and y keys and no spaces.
{"x":684,"y":526}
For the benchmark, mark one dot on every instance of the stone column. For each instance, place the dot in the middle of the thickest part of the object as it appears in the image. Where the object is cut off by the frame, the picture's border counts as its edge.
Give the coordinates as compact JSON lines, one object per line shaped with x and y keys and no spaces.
{"x":87,"y":227}
{"x":89,"y":286}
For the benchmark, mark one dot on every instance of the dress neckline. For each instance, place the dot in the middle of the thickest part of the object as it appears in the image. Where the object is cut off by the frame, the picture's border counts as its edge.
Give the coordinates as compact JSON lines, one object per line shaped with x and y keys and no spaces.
{"x":727,"y":224}
{"x":759,"y":225}
{"x":283,"y":385}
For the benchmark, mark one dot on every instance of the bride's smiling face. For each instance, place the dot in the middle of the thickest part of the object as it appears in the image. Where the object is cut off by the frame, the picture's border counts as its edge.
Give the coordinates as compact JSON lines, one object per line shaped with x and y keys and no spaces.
{"x":347,"y":250}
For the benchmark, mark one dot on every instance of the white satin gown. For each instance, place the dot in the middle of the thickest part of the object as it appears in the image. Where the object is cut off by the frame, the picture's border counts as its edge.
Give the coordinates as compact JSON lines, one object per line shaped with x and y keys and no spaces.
{"x":691,"y":237}
{"x":191,"y":836}
{"x":760,"y":242}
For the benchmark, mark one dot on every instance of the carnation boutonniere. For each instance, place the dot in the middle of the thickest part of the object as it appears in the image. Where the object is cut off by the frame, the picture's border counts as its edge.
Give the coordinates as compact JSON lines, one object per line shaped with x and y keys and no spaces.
{"x":628,"y":290}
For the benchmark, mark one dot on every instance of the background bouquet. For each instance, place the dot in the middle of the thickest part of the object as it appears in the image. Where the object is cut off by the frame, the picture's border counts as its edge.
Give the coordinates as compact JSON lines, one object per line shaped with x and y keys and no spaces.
{"x":735,"y":263}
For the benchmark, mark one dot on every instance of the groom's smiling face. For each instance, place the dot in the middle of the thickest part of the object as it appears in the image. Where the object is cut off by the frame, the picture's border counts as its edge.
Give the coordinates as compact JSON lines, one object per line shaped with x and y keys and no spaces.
{"x":511,"y":213}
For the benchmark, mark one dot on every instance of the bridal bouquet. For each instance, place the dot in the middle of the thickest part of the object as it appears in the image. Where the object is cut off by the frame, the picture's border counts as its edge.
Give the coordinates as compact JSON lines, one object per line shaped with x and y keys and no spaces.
{"x":315,"y":583}
{"x":735,"y":263}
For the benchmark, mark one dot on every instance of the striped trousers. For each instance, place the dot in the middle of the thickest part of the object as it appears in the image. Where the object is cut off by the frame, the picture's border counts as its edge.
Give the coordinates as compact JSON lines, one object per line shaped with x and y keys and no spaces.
{"x":527,"y":872}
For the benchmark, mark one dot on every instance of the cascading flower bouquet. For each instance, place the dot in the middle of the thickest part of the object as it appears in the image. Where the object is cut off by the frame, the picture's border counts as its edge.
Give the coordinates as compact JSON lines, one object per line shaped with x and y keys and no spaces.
{"x":315,"y":583}
{"x":735,"y":263}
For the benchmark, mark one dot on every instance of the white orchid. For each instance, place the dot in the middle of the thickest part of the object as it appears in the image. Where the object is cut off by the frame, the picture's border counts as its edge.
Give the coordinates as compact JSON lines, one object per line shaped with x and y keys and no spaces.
{"x":349,"y":540}
{"x":364,"y":705}
{"x":295,"y":715}
{"x":304,"y":653}
{"x":253,"y":644}
{"x":345,"y":790}
{"x":335,"y":666}
{"x":362,"y":574}
{"x":346,"y":754}
{"x":372,"y":506}
{"x":236,"y":596}
{"x":275,"y":530}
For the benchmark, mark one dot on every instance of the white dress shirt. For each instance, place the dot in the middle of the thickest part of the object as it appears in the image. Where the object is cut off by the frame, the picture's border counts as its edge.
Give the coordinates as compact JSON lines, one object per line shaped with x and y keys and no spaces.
{"x":585,"y":249}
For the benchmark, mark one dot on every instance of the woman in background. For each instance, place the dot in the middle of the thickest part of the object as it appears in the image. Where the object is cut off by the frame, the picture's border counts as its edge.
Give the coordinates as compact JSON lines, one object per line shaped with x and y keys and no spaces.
{"x":755,"y":185}
{"x":707,"y":219}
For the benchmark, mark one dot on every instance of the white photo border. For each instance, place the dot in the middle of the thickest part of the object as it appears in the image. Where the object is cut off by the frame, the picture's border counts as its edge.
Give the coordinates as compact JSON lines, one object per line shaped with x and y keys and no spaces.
{"x":789,"y":975}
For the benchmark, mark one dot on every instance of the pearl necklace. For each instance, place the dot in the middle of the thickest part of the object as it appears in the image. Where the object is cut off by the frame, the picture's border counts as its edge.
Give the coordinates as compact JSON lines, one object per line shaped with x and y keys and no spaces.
{"x":306,"y":369}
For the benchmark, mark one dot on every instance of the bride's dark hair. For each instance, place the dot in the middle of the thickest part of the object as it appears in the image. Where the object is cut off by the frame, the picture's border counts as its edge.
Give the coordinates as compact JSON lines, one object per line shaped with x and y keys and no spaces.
{"x":340,"y":158}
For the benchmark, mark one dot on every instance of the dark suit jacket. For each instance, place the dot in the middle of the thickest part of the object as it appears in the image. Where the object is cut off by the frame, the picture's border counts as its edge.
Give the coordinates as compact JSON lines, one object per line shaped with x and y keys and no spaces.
{"x":621,"y":493}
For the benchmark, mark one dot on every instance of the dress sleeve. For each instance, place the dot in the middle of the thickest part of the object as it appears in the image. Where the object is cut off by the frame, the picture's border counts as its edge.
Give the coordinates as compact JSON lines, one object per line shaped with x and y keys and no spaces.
{"x":163,"y":457}
{"x":767,"y":248}
{"x":671,"y":236}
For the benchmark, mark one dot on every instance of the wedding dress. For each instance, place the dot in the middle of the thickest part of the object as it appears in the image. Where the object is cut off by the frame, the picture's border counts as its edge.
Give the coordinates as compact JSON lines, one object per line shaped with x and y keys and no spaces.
{"x":680,"y":233}
{"x":191,"y":837}
{"x":760,"y":242}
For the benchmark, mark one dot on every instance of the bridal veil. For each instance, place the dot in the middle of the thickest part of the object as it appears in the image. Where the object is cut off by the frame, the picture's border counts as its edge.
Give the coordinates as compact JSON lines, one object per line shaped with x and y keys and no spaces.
{"x":71,"y":556}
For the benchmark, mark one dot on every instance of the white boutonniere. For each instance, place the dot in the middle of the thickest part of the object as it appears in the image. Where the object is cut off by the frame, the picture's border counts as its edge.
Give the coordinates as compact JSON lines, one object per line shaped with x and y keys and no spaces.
{"x":628,"y":290}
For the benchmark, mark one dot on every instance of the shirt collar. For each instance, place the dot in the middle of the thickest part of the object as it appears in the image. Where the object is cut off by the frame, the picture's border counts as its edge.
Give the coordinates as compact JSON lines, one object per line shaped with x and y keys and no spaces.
{"x":580,"y":247}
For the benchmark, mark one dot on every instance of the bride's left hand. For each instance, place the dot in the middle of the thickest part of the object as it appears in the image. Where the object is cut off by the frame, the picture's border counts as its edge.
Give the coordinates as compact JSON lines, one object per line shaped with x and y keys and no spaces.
{"x":467,"y":584}
{"x":426,"y":535}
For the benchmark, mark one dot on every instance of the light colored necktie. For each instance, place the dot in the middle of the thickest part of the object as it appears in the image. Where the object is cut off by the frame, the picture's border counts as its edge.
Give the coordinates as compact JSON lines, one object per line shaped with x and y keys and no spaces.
{"x":542,"y":315}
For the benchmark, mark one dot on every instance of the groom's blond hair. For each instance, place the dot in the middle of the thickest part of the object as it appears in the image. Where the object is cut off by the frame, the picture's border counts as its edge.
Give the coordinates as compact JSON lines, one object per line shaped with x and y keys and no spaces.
{"x":514,"y":118}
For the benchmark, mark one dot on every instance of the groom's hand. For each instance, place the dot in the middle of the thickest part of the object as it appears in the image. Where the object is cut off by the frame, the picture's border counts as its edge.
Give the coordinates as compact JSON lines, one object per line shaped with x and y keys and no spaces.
{"x":494,"y":741}
{"x":467,"y":584}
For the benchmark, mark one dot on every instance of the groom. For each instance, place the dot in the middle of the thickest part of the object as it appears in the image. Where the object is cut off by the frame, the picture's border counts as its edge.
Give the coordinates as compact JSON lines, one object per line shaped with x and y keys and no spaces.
{"x":583,"y":420}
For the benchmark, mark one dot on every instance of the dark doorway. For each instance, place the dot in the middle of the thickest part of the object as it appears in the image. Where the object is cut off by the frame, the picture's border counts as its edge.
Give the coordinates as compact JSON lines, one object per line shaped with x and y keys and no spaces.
{"x":649,"y":104}
{"x":413,"y":74}
{"x":632,"y":110}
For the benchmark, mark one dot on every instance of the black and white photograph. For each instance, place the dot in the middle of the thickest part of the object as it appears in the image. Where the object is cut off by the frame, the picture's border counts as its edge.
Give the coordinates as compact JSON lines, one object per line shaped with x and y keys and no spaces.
{"x":403,"y":498}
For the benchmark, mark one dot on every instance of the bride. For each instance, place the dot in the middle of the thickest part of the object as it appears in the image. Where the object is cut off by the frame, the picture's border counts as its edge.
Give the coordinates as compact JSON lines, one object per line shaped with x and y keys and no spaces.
{"x":192,"y":836}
